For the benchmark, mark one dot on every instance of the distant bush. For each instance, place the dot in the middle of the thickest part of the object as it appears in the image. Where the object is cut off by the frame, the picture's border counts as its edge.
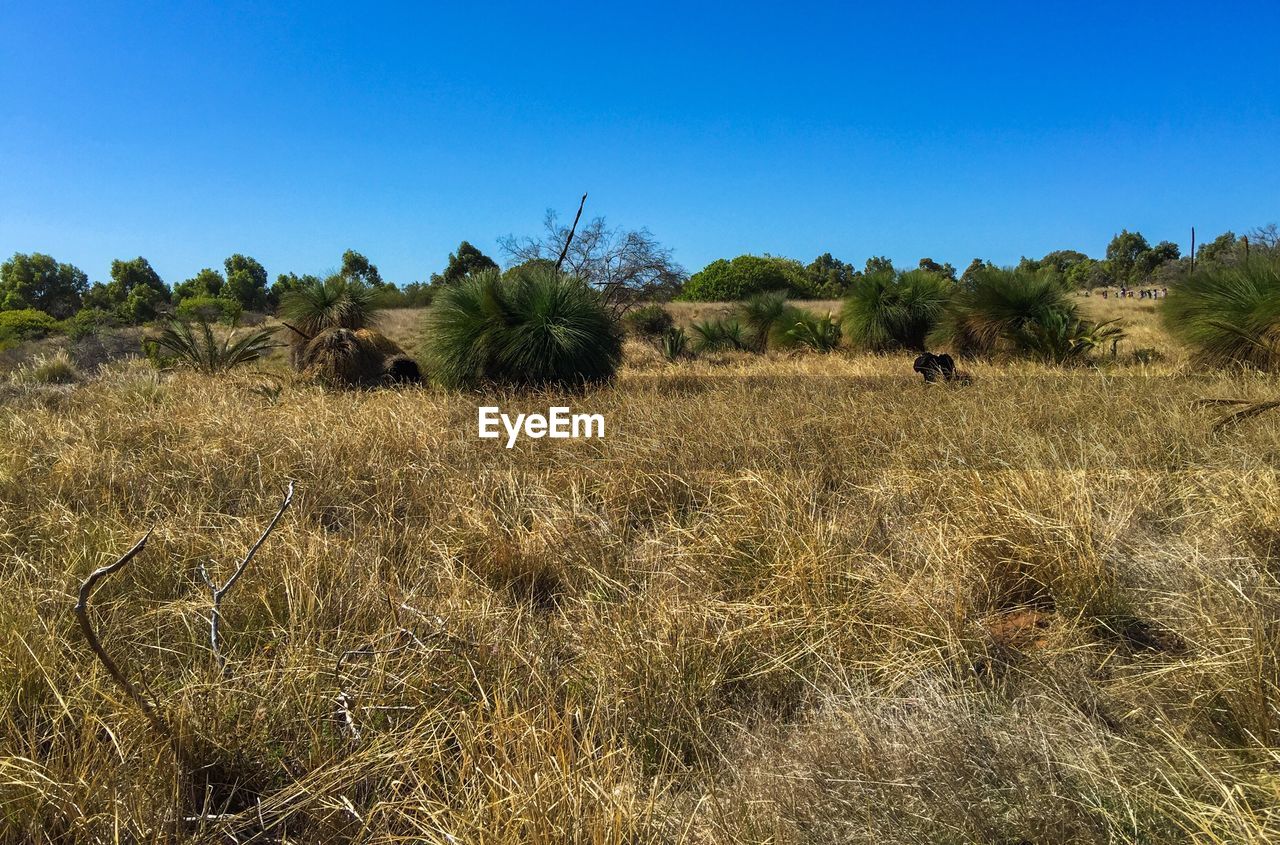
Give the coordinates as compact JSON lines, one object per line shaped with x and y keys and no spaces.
{"x":26,"y":324}
{"x":745,"y":276}
{"x":212,"y":309}
{"x":649,"y":322}
{"x":720,"y":335}
{"x":537,"y":329}
{"x":1229,"y":313}
{"x":87,"y":322}
{"x":888,"y":310}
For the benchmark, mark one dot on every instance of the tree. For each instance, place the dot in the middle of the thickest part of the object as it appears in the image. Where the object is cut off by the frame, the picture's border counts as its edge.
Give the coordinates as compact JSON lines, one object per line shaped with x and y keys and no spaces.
{"x":746,"y":276}
{"x":1088,"y":274}
{"x":878,"y":264}
{"x":1152,"y":259}
{"x":134,"y":294}
{"x":37,"y":281}
{"x":246,"y":282}
{"x":286,"y":282}
{"x":465,"y":262}
{"x":1220,"y":250}
{"x":970,"y":275}
{"x":357,"y":268}
{"x":207,"y":283}
{"x":830,"y":278}
{"x":931,"y":266}
{"x":1122,"y":255}
{"x":625,"y":265}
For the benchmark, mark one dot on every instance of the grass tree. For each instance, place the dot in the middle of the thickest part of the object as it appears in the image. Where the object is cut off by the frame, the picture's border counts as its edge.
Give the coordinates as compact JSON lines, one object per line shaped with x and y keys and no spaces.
{"x":886,"y":310}
{"x":334,"y":303}
{"x":537,"y":329}
{"x":1229,"y":314}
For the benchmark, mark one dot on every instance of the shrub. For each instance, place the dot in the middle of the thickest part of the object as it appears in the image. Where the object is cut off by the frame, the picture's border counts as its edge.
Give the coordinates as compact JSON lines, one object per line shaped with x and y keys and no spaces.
{"x":52,"y":369}
{"x":720,"y":335}
{"x":745,"y":276}
{"x":675,"y":343}
{"x":335,"y":303}
{"x":887,"y":310}
{"x":808,"y":330}
{"x":209,"y":309}
{"x":26,"y":324}
{"x":651,"y":322}
{"x":539,"y":328}
{"x":87,"y":322}
{"x":1063,"y":338}
{"x":201,"y":351}
{"x":1004,"y":310}
{"x":1229,"y":314}
{"x":766,"y":317}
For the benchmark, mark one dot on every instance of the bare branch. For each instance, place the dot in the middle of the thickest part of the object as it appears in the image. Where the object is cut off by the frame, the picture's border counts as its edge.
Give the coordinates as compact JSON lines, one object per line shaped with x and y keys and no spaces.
{"x":218,"y":593}
{"x":572,"y":229}
{"x":82,"y":615}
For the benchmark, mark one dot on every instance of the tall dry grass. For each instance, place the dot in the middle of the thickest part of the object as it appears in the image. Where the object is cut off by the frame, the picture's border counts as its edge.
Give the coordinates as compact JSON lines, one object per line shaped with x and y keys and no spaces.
{"x":788,"y":599}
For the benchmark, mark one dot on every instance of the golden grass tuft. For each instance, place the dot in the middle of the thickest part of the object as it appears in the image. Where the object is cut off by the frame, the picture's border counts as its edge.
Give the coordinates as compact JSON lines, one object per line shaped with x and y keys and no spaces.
{"x":787,"y":599}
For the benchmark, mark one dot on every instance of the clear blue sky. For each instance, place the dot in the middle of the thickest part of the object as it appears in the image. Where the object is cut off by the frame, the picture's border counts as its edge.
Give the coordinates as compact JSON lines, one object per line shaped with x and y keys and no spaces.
{"x":184,"y":132}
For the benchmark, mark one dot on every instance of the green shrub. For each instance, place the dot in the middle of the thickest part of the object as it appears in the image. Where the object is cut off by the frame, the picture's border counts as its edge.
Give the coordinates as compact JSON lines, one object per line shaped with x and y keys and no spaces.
{"x":26,"y":324}
{"x":335,"y":303}
{"x":745,"y":276}
{"x":887,"y":310}
{"x":1006,"y":311}
{"x":720,"y":335}
{"x":209,"y":309}
{"x":675,"y":343}
{"x":766,"y":317}
{"x":201,"y":351}
{"x":1229,"y":313}
{"x":1063,"y":338}
{"x":87,"y":322}
{"x":650,"y":322}
{"x":539,"y":328}
{"x":811,"y":331}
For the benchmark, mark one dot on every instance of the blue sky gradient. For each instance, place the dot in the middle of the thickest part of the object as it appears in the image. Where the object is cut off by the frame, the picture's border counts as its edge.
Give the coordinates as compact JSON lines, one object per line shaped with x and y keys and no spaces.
{"x":290,"y":132}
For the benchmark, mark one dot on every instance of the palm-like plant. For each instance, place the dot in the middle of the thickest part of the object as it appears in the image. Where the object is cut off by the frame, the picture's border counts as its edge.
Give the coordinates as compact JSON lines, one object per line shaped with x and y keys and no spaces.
{"x":1229,"y":314}
{"x":1063,"y":338}
{"x":720,"y":335}
{"x":821,"y":334}
{"x":886,"y":310}
{"x":1002,"y":311}
{"x":766,"y":317}
{"x":335,"y":303}
{"x":540,"y":328}
{"x":675,"y":342}
{"x":201,"y":351}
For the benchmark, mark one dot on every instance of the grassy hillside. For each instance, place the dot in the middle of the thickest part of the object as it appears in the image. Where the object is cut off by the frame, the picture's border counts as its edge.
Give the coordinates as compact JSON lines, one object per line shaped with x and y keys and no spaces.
{"x":787,"y":599}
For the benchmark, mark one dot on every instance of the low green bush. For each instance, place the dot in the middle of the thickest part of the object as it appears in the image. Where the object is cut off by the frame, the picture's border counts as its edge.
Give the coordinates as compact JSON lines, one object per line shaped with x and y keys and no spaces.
{"x":212,"y":309}
{"x":649,"y":322}
{"x":26,"y":324}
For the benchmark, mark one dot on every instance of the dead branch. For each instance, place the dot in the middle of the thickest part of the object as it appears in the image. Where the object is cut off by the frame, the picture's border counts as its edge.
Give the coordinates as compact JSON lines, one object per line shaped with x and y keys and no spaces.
{"x":564,"y":252}
{"x":219,"y":593}
{"x":82,"y":614}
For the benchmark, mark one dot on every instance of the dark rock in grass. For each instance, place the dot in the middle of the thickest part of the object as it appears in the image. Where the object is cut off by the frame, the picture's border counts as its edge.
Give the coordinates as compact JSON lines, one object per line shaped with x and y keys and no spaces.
{"x":936,"y":367}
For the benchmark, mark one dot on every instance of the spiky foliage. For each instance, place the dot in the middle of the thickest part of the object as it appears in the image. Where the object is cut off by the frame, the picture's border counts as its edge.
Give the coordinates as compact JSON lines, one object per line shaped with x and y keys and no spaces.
{"x":675,"y":343}
{"x":343,"y":358}
{"x":1063,"y":338}
{"x":766,"y":317}
{"x":813,"y":331}
{"x":1229,"y":314}
{"x":1003,"y":310}
{"x":720,"y":334}
{"x":200,"y":349}
{"x":539,"y":328}
{"x":335,"y":303}
{"x":887,"y":310}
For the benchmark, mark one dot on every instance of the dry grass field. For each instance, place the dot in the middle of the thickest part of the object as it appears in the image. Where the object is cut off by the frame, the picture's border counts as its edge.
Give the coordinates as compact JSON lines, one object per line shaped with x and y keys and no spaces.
{"x":787,"y":599}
